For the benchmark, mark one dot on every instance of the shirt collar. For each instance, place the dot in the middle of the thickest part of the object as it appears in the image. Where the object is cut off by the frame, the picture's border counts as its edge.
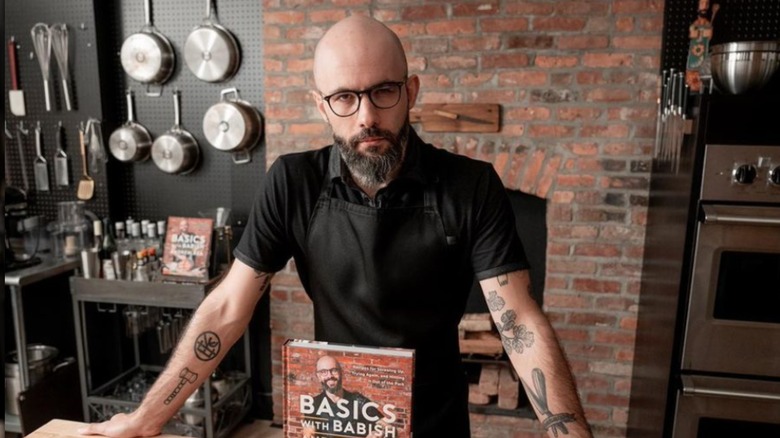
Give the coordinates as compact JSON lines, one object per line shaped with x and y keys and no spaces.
{"x":412,"y":167}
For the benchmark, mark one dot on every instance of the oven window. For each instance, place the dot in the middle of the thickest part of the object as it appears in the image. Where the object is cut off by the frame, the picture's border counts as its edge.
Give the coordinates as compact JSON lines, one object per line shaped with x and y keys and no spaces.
{"x":711,"y":427}
{"x":748,"y":287}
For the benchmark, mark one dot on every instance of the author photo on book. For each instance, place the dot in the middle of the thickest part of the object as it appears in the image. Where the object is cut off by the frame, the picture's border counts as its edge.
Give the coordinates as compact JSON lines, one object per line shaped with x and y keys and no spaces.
{"x":388,"y":234}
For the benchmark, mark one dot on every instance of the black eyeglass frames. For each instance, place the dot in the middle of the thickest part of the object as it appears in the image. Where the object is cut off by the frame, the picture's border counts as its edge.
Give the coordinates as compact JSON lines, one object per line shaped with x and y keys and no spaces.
{"x":383,"y":96}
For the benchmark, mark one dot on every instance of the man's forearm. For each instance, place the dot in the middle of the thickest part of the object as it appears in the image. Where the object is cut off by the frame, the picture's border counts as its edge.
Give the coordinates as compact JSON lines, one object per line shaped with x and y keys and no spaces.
{"x":533,"y":349}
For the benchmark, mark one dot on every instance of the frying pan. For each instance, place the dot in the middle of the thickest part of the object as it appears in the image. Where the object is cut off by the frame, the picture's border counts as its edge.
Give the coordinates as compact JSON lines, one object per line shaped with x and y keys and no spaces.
{"x":148,"y":56}
{"x":211,"y":52}
{"x":233,"y":125}
{"x":131,"y":141}
{"x":176,"y":151}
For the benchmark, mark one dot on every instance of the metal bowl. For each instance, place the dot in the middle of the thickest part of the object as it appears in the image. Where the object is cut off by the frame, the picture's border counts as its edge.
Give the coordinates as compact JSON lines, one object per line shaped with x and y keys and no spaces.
{"x":740,"y":67}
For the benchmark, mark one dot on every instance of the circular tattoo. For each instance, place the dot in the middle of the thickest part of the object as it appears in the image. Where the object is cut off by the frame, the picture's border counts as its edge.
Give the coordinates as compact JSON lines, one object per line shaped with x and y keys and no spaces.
{"x":207,"y":346}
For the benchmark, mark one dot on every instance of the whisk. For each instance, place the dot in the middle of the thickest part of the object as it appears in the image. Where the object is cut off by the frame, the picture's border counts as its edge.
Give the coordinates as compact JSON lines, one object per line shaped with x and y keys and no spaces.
{"x":59,"y":39}
{"x":41,"y":37}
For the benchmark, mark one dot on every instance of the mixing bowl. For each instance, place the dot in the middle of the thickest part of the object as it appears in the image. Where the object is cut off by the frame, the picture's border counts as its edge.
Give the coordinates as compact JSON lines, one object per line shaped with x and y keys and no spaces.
{"x":744,"y":66}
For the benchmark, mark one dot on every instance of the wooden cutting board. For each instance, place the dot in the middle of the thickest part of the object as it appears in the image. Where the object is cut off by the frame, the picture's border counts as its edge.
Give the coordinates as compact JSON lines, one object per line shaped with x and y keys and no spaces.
{"x":68,"y":429}
{"x":457,"y":117}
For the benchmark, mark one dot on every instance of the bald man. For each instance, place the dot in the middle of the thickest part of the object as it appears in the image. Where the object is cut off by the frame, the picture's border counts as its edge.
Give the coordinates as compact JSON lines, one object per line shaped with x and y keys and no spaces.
{"x":388,"y":234}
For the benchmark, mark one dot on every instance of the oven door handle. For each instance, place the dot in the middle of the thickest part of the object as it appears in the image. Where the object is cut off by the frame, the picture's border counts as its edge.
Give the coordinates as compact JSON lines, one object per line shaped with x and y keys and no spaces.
{"x":741,"y":215}
{"x":689,"y":388}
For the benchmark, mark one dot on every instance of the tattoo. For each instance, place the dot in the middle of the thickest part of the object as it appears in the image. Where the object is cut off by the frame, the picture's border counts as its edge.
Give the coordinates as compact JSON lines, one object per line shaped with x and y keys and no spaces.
{"x":266,"y":279}
{"x":515,"y":337}
{"x":503,"y":279}
{"x":185,"y":376}
{"x":207,"y":346}
{"x":556,"y":422}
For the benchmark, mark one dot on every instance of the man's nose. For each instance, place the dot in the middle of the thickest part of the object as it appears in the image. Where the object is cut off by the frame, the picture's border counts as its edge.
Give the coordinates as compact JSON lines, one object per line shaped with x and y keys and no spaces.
{"x":368,"y":114}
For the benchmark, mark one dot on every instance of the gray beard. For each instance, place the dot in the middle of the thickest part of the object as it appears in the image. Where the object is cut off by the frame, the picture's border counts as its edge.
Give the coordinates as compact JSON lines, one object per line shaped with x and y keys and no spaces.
{"x":372,"y":171}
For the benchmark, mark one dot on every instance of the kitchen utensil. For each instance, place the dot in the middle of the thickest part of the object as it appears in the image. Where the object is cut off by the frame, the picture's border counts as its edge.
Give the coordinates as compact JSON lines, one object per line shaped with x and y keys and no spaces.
{"x":15,"y":95}
{"x":22,"y":160}
{"x":86,"y":189}
{"x":233,"y":125}
{"x":61,"y":168}
{"x":131,"y":141}
{"x":95,"y":145}
{"x":59,"y":39}
{"x":41,"y":37}
{"x":176,"y":151}
{"x":148,"y":56}
{"x":211,"y":52}
{"x":741,"y":67}
{"x":40,"y":362}
{"x":40,"y":166}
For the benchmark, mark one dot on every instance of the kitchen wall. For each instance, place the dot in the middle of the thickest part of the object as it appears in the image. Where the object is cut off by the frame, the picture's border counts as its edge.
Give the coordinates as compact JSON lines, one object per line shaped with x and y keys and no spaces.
{"x":577,"y":83}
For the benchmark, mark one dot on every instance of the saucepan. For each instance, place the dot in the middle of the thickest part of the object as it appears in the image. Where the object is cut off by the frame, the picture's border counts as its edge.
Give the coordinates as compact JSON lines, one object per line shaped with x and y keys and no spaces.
{"x":131,"y":141}
{"x":148,"y":56}
{"x":233,"y":125}
{"x":176,"y":151}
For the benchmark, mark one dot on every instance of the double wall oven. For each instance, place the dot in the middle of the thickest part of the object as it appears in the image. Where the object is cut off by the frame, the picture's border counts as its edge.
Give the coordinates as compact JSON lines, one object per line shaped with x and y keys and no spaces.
{"x":730,"y":360}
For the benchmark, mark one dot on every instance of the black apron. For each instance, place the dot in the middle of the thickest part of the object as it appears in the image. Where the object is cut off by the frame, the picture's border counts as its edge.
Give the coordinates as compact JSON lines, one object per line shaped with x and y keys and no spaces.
{"x":384,"y":277}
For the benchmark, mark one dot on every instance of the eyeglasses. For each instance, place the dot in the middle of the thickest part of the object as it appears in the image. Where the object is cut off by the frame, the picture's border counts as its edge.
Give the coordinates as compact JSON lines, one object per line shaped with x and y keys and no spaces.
{"x":327,"y":372}
{"x":383,"y":96}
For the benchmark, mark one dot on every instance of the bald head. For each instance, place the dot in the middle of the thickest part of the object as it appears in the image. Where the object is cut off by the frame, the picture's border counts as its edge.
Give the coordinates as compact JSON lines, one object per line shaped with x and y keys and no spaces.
{"x":357,"y":44}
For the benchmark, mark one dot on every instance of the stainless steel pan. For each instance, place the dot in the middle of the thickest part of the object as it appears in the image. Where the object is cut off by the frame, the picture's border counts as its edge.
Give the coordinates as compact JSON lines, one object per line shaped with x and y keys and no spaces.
{"x":211,"y":52}
{"x":148,"y":56}
{"x":233,"y":125}
{"x":176,"y":151}
{"x":131,"y":141}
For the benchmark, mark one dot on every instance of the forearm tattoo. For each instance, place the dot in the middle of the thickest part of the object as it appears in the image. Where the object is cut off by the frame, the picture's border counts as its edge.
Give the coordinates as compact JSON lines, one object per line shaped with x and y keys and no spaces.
{"x":514,"y":337}
{"x":207,"y":346}
{"x":185,"y":376}
{"x":538,"y":396}
{"x":266,"y":279}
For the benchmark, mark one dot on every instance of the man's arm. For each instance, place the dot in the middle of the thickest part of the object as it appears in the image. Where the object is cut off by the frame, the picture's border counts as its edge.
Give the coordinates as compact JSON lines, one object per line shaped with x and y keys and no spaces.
{"x":534,"y":351}
{"x":217,"y":324}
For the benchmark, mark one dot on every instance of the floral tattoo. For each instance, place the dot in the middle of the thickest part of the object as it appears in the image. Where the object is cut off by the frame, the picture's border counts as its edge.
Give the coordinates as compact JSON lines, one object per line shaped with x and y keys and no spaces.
{"x":515,"y":337}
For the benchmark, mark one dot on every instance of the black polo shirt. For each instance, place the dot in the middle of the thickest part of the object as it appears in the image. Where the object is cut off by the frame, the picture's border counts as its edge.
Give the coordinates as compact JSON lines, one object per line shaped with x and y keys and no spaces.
{"x":472,"y":203}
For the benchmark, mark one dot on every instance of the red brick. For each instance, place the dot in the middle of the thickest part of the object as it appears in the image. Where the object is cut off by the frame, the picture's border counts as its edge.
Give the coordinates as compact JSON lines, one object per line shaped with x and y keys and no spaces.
{"x":644,"y":42}
{"x":425,"y":12}
{"x":327,"y":16}
{"x":609,"y":131}
{"x":500,"y":25}
{"x":454,"y":62}
{"x":607,"y":399}
{"x":590,"y":77}
{"x":476,"y":43}
{"x":451,"y":27}
{"x":435,"y":97}
{"x":593,"y":285}
{"x":558,"y":24}
{"x":476,"y":9}
{"x":496,"y":96}
{"x":544,"y":61}
{"x":307,"y":128}
{"x":569,"y":266}
{"x":608,"y":95}
{"x":531,"y":172}
{"x":581,"y":8}
{"x":557,"y":131}
{"x":286,"y":49}
{"x":579,"y":42}
{"x":472,"y":79}
{"x":306,"y":33}
{"x":597,"y":250}
{"x":591,"y":319}
{"x":614,"y":337}
{"x":607,"y":60}
{"x":505,"y":60}
{"x":435,"y":81}
{"x":528,"y":113}
{"x":524,"y":78}
{"x":284,"y":17}
{"x":625,"y":24}
{"x":568,"y":301}
{"x":529,"y":8}
{"x":637,"y":6}
{"x":529,"y":42}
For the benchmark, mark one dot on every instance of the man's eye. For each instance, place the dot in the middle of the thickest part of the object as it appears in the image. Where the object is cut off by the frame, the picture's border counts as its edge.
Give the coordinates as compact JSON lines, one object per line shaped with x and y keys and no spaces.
{"x":384,"y":89}
{"x":343,"y":97}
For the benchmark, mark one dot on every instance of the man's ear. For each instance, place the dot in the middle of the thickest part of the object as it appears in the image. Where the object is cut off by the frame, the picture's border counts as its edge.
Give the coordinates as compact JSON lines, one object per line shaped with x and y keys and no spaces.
{"x":320,"y":102}
{"x":413,"y":88}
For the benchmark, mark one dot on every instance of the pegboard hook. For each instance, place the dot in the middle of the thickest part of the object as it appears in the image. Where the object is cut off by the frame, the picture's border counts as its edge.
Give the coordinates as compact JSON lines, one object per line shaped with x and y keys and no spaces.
{"x":7,"y":132}
{"x":22,"y":129}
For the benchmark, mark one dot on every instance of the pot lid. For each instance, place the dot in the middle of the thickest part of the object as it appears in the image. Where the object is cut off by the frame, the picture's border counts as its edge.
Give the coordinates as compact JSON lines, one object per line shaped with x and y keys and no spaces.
{"x":225,"y":126}
{"x":142,"y":56}
{"x":211,"y":54}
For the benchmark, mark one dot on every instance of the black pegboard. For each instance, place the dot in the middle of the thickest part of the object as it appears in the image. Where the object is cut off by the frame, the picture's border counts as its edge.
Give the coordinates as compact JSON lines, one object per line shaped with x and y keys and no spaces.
{"x":736,"y":20}
{"x":144,"y":191}
{"x":78,"y":15}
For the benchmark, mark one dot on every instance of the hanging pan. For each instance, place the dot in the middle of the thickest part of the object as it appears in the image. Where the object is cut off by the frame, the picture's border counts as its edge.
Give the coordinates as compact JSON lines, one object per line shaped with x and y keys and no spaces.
{"x":147,"y":56}
{"x":131,"y":141}
{"x":233,"y":125}
{"x":211,"y":52}
{"x":176,"y":151}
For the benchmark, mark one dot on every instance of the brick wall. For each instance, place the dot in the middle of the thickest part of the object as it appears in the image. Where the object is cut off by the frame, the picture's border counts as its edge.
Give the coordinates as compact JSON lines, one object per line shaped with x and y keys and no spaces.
{"x":577,"y":83}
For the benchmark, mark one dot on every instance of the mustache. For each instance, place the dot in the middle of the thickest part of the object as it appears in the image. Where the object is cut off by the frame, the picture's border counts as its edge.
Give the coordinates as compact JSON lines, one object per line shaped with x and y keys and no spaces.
{"x":372,"y":132}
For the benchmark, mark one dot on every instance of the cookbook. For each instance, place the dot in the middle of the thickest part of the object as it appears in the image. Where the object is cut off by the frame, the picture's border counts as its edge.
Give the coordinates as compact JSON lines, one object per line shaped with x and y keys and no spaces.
{"x":187,"y":247}
{"x":338,"y":390}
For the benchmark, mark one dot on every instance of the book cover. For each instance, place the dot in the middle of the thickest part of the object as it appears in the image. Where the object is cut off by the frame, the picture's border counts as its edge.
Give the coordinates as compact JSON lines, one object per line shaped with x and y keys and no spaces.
{"x":336,"y":390}
{"x":187,"y":247}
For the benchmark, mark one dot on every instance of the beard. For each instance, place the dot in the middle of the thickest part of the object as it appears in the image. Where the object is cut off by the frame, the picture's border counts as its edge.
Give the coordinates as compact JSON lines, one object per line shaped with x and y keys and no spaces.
{"x":374,"y":169}
{"x":332,"y":389}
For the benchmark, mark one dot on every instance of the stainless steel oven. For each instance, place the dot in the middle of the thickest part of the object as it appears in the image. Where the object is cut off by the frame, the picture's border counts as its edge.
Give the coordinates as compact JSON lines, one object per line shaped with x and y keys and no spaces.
{"x":730,"y":370}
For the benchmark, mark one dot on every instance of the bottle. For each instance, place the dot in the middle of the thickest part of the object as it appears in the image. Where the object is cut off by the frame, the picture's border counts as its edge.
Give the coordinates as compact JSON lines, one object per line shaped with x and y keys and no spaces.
{"x":136,"y":241}
{"x":97,"y":235}
{"x":121,"y":236}
{"x":109,"y":243}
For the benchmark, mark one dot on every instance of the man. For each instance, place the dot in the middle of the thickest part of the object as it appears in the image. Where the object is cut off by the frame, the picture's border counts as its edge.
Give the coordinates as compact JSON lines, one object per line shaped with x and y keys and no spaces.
{"x":325,"y":405}
{"x":387,"y":233}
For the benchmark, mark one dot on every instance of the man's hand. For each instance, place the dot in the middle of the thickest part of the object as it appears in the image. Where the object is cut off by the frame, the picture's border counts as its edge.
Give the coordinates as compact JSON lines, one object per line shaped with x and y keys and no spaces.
{"x":121,"y":426}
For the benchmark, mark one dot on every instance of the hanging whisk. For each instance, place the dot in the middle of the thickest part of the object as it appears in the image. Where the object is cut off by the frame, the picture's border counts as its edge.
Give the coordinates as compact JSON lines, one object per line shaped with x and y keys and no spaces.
{"x":59,"y":40}
{"x":41,"y":37}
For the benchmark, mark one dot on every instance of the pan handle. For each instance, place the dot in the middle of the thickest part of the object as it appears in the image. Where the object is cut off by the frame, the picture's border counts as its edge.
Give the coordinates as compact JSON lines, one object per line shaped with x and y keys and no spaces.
{"x":130,"y":112}
{"x":177,"y":109}
{"x":148,"y":13}
{"x":228,"y":91}
{"x":149,"y":92}
{"x":241,"y":156}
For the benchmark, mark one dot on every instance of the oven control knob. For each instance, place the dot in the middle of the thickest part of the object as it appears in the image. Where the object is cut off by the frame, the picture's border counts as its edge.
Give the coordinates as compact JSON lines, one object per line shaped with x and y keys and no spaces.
{"x":745,"y":174}
{"x":774,"y":176}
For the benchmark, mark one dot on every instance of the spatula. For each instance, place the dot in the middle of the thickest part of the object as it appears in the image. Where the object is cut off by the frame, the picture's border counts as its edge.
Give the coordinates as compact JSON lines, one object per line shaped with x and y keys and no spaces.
{"x":15,"y":94}
{"x":61,"y":171}
{"x":86,"y":189}
{"x":40,"y":166}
